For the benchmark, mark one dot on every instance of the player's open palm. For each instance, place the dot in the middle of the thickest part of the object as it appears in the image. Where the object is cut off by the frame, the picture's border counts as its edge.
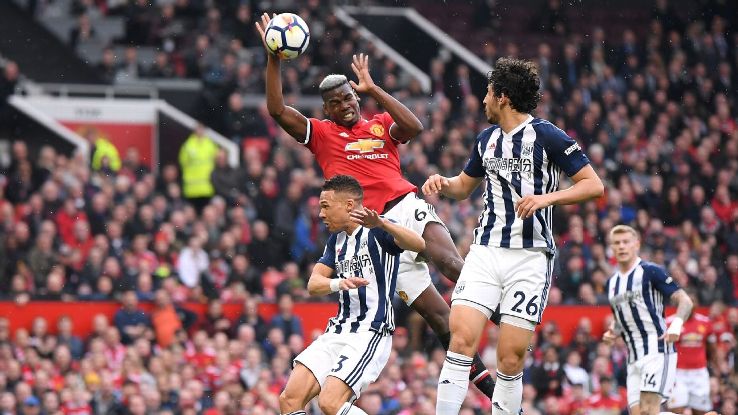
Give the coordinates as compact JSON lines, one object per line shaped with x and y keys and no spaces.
{"x":366,"y":217}
{"x":261,"y":28}
{"x":351,"y":283}
{"x":360,"y":66}
{"x":434,"y":185}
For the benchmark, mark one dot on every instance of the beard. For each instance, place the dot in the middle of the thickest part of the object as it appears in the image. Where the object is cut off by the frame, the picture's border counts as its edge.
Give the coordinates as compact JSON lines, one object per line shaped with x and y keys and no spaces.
{"x":493,"y":118}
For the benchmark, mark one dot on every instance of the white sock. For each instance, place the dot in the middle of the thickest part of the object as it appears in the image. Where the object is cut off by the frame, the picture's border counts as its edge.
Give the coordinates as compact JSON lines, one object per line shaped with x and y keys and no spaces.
{"x":508,"y":394}
{"x":453,"y":383}
{"x":350,"y":409}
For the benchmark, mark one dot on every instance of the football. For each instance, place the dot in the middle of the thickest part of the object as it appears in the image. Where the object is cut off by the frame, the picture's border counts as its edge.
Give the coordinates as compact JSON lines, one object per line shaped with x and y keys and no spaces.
{"x":287,"y":36}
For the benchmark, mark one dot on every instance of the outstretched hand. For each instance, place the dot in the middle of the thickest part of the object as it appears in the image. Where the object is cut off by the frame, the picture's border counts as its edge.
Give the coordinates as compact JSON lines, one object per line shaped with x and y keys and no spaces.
{"x":261,"y":28}
{"x":360,"y":66}
{"x":366,"y":217}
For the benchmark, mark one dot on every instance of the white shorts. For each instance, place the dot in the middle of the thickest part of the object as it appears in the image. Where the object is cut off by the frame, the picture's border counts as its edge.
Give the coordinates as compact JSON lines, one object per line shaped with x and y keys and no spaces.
{"x":691,"y":390}
{"x":651,"y":373}
{"x":355,"y":358}
{"x":413,"y":276}
{"x":515,"y":280}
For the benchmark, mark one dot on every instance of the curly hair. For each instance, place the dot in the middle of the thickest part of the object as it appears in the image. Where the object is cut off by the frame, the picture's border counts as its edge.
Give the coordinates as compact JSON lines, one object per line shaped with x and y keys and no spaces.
{"x":518,"y":80}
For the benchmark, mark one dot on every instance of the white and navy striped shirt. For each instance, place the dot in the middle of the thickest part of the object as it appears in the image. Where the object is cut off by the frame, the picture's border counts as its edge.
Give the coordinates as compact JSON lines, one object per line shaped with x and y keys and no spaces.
{"x":637,"y":301}
{"x":525,"y":161}
{"x":371,"y":254}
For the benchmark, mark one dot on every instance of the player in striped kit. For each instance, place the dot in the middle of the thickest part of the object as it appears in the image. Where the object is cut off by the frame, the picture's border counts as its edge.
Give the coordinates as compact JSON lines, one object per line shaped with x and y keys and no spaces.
{"x":637,"y":292}
{"x":508,"y":268}
{"x":361,"y":262}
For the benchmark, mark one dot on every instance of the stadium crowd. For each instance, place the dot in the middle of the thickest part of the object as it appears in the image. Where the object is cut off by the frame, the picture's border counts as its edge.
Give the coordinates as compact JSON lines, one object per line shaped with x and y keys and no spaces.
{"x":655,"y":114}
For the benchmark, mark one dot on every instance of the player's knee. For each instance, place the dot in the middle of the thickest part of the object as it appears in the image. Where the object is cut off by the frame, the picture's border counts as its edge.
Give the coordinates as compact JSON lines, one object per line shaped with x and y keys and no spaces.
{"x":462,"y":341}
{"x":288,"y":401}
{"x":510,"y":363}
{"x":329,"y":404}
{"x":451,"y":266}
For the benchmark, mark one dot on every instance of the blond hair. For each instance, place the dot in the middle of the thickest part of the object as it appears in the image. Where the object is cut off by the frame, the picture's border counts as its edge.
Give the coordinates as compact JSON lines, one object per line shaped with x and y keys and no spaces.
{"x":624,"y":229}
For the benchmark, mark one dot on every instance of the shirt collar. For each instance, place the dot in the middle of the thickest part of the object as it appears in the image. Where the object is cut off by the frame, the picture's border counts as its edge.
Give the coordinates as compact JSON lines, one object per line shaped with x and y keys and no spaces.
{"x":519,"y":126}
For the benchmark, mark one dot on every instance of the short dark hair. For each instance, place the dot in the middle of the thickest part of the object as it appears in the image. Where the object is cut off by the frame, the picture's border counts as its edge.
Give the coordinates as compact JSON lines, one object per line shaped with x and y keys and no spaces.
{"x":346,"y":184}
{"x":518,"y":80}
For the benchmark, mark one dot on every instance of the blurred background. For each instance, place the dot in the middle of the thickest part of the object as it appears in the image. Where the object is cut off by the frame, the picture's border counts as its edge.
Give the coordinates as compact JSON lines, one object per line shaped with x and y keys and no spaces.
{"x":128,"y":289}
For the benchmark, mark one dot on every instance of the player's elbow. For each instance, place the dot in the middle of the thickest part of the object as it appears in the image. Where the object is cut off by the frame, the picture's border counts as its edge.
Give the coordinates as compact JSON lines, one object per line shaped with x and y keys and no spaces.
{"x":275,"y":111}
{"x":312,"y":287}
{"x":419,"y":245}
{"x":417,"y":128}
{"x":598,"y":189}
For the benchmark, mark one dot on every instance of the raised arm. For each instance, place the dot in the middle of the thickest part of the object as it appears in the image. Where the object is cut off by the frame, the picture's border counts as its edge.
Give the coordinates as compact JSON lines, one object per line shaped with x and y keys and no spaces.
{"x":407,"y":126}
{"x":457,"y":187}
{"x":321,"y":283}
{"x":287,"y":117}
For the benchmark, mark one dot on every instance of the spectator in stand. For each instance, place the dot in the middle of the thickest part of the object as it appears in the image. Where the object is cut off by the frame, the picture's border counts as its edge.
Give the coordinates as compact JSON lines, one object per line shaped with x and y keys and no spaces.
{"x":214,"y":321}
{"x":197,"y":161}
{"x":104,"y":155}
{"x":548,"y":376}
{"x":608,"y":400}
{"x":83,"y":32}
{"x":132,"y":322}
{"x":251,"y":317}
{"x":225,"y":179}
{"x":8,"y":81}
{"x":66,"y":337}
{"x":192,"y":262}
{"x":285,"y":320}
{"x":164,"y":320}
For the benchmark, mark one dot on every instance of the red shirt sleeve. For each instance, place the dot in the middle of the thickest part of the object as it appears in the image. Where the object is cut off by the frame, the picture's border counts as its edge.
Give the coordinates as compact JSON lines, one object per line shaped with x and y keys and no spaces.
{"x":386,"y":119}
{"x":314,"y":134}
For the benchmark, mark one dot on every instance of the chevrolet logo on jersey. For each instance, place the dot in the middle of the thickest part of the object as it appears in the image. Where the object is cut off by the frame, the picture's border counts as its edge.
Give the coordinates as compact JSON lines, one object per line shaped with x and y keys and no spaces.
{"x":365,"y":145}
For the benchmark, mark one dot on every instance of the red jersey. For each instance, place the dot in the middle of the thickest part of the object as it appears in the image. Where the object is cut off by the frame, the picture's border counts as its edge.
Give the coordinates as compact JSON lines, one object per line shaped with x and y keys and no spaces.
{"x":692,"y":344}
{"x":365,"y":151}
{"x":605,"y":404}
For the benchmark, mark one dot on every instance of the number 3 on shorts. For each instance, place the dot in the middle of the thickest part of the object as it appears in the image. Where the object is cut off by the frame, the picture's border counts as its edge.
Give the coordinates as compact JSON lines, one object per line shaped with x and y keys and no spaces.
{"x":341,"y":359}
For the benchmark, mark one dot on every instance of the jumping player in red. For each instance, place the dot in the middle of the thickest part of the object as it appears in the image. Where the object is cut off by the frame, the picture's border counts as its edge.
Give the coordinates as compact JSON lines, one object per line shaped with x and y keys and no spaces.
{"x":346,"y":143}
{"x":692,"y":388}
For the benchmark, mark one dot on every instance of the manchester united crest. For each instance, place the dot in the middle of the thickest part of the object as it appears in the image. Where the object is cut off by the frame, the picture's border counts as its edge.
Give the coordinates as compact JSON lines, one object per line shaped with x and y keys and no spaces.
{"x":377,"y":130}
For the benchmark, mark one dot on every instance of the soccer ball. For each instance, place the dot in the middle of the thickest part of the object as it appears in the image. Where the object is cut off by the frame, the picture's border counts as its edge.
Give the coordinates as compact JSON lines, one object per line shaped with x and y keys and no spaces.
{"x":287,"y":36}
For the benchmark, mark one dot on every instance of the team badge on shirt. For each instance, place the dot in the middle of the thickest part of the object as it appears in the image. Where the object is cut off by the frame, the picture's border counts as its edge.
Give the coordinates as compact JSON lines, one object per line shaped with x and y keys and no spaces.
{"x":526,"y":150}
{"x":377,"y":130}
